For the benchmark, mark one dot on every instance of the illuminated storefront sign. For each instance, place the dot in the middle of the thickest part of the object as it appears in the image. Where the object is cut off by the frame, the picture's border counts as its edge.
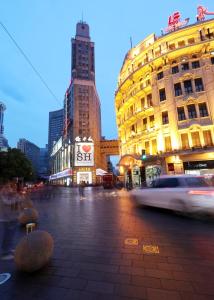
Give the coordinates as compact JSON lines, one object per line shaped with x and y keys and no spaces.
{"x":65,"y":173}
{"x":84,"y":154}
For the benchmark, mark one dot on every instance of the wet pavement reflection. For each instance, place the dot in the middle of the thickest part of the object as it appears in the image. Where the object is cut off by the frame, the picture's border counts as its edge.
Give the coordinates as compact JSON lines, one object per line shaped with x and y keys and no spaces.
{"x":170,"y":257}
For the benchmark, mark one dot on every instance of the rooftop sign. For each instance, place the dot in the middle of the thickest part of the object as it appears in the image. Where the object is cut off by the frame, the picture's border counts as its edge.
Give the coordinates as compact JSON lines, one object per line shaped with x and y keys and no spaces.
{"x":175,"y":22}
{"x":202,"y":12}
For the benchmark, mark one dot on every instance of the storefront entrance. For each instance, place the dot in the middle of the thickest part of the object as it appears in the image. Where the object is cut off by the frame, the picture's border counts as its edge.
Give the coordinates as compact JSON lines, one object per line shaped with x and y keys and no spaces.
{"x":199,"y":167}
{"x":84,"y":176}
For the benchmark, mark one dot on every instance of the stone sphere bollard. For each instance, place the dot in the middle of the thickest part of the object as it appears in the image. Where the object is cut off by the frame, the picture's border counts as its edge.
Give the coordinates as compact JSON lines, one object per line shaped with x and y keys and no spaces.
{"x":34,"y":251}
{"x":28,"y":215}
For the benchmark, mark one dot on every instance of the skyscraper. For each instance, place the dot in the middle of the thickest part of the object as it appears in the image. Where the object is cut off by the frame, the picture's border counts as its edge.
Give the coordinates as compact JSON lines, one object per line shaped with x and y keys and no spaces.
{"x":82,"y":104}
{"x":55,"y":127}
{"x":31,"y":151}
{"x":3,"y":140}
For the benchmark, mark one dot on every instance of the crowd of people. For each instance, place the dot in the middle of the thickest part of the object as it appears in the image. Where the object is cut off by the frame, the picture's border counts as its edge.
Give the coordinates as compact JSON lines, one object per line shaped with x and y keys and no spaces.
{"x":11,"y":198}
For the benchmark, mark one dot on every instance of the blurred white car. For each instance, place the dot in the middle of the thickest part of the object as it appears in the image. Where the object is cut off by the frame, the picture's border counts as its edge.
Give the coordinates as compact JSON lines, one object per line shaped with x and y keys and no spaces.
{"x":181,"y":193}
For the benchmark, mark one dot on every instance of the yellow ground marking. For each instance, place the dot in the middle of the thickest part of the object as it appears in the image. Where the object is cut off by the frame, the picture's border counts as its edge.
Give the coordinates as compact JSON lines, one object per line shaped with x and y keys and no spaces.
{"x":131,"y":242}
{"x":151,"y":249}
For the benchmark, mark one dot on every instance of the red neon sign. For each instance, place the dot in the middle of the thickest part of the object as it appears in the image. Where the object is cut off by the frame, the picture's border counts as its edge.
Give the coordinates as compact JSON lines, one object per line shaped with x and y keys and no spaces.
{"x":174,"y":22}
{"x":174,"y":18}
{"x":202,"y":12}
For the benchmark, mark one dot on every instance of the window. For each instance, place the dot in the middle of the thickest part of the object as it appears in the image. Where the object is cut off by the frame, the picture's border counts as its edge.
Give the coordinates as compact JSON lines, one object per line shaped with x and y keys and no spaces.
{"x":165,"y":118}
{"x":168,"y":145}
{"x":191,"y":41}
{"x":196,"y":64}
{"x":185,"y":66}
{"x":184,"y":141}
{"x":149,"y":100}
{"x":162,"y":94}
{"x":166,"y":183}
{"x":181,"y":114}
{"x":147,"y":148}
{"x":154,"y":146}
{"x":178,"y":89}
{"x":195,"y":139}
{"x":152,"y":121}
{"x":172,"y":46}
{"x":144,"y":124}
{"x":142,"y":103}
{"x":212,"y":60}
{"x":160,"y":75}
{"x":203,"y":109}
{"x":188,"y":86}
{"x":181,"y":44}
{"x":199,"y":87}
{"x":207,"y":138}
{"x":195,"y":181}
{"x":192,"y":111}
{"x":175,"y":69}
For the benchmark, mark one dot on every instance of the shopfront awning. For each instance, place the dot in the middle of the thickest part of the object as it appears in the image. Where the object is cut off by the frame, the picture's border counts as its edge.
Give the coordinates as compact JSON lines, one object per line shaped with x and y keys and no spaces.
{"x":100,"y":172}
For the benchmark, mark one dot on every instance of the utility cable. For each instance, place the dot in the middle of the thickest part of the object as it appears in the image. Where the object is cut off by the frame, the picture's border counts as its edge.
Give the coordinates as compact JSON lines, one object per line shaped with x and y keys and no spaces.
{"x":29,"y":62}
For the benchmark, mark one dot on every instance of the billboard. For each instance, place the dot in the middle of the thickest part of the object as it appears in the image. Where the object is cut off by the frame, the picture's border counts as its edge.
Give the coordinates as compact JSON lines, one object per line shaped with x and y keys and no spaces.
{"x":84,"y":154}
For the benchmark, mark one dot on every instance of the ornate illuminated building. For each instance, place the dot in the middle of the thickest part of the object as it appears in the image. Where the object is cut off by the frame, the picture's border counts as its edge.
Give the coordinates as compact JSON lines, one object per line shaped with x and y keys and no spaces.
{"x":165,"y":103}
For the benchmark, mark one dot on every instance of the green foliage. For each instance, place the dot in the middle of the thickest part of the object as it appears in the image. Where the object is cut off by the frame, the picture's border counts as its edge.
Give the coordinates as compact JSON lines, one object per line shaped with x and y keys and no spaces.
{"x":15,"y":164}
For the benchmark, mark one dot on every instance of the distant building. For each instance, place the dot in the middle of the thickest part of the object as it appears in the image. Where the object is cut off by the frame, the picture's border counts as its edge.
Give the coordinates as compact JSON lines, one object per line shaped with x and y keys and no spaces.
{"x":3,"y":140}
{"x":31,"y":151}
{"x":43,"y":163}
{"x":55,"y":128}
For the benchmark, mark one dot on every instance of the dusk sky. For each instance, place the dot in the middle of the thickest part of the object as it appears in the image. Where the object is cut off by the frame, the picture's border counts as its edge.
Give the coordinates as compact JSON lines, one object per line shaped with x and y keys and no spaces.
{"x":44,"y":28}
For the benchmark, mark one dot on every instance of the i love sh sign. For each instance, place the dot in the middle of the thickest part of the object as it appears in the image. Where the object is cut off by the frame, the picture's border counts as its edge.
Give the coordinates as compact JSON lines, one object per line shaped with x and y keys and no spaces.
{"x":84,"y":154}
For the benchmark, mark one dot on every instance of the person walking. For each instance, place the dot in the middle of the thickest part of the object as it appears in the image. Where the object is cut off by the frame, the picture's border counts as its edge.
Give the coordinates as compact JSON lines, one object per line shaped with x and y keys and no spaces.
{"x":81,"y":189}
{"x":9,"y":208}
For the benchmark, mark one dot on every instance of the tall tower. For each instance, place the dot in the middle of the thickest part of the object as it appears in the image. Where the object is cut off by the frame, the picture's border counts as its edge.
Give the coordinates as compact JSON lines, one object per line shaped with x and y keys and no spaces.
{"x":2,"y":109}
{"x":3,"y":140}
{"x":82,"y":116}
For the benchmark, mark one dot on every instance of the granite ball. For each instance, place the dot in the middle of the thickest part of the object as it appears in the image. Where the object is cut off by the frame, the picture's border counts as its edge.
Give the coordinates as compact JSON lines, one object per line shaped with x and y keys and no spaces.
{"x":34,"y":251}
{"x":28,"y":215}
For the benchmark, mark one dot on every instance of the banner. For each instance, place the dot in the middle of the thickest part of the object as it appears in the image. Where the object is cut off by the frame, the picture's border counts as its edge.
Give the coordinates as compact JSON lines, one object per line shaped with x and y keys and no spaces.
{"x":84,"y":154}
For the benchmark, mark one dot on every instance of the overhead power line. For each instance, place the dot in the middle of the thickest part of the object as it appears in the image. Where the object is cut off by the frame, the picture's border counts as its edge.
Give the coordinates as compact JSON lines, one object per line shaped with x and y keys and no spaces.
{"x":29,"y":62}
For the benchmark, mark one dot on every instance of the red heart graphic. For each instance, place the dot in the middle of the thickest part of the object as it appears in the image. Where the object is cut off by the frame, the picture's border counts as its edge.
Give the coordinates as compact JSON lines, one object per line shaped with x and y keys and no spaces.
{"x":86,"y":148}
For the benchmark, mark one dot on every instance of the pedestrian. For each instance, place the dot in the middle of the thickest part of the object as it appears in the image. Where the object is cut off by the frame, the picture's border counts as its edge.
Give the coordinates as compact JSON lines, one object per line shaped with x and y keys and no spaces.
{"x":9,"y":209}
{"x":81,"y":188}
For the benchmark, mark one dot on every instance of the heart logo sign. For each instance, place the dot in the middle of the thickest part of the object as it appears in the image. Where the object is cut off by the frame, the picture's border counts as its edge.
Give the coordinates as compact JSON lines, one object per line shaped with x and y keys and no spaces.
{"x":86,"y":148}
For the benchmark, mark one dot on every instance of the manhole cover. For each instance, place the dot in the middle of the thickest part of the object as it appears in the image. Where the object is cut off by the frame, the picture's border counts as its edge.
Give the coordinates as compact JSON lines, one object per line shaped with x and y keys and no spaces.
{"x":132,"y":242}
{"x":4,"y":277}
{"x":151,"y":249}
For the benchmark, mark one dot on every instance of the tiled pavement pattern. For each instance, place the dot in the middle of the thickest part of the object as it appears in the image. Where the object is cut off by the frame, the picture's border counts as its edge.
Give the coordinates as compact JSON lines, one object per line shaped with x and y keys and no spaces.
{"x":91,"y":260}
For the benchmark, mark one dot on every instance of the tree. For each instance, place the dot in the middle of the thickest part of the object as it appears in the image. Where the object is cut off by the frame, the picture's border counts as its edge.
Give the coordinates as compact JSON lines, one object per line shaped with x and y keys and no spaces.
{"x":14,"y":163}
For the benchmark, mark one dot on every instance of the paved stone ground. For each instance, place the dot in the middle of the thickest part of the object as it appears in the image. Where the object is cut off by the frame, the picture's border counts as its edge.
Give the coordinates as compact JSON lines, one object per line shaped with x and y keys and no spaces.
{"x":91,"y":260}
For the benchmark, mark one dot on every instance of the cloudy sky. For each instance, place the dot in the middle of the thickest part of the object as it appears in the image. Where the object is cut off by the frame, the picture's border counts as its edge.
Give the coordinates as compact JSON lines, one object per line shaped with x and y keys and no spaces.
{"x":44,"y":28}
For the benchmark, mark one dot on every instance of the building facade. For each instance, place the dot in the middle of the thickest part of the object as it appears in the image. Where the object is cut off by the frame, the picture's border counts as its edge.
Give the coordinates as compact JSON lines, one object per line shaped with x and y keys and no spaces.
{"x":31,"y":151}
{"x":3,"y":140}
{"x":55,"y":127}
{"x":165,"y":104}
{"x":82,"y":117}
{"x":43,"y":163}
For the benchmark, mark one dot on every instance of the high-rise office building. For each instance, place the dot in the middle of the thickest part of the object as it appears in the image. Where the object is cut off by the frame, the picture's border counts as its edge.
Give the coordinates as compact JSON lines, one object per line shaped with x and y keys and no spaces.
{"x":3,"y":140}
{"x":81,"y":152}
{"x":82,"y":104}
{"x":55,"y":128}
{"x":31,"y":151}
